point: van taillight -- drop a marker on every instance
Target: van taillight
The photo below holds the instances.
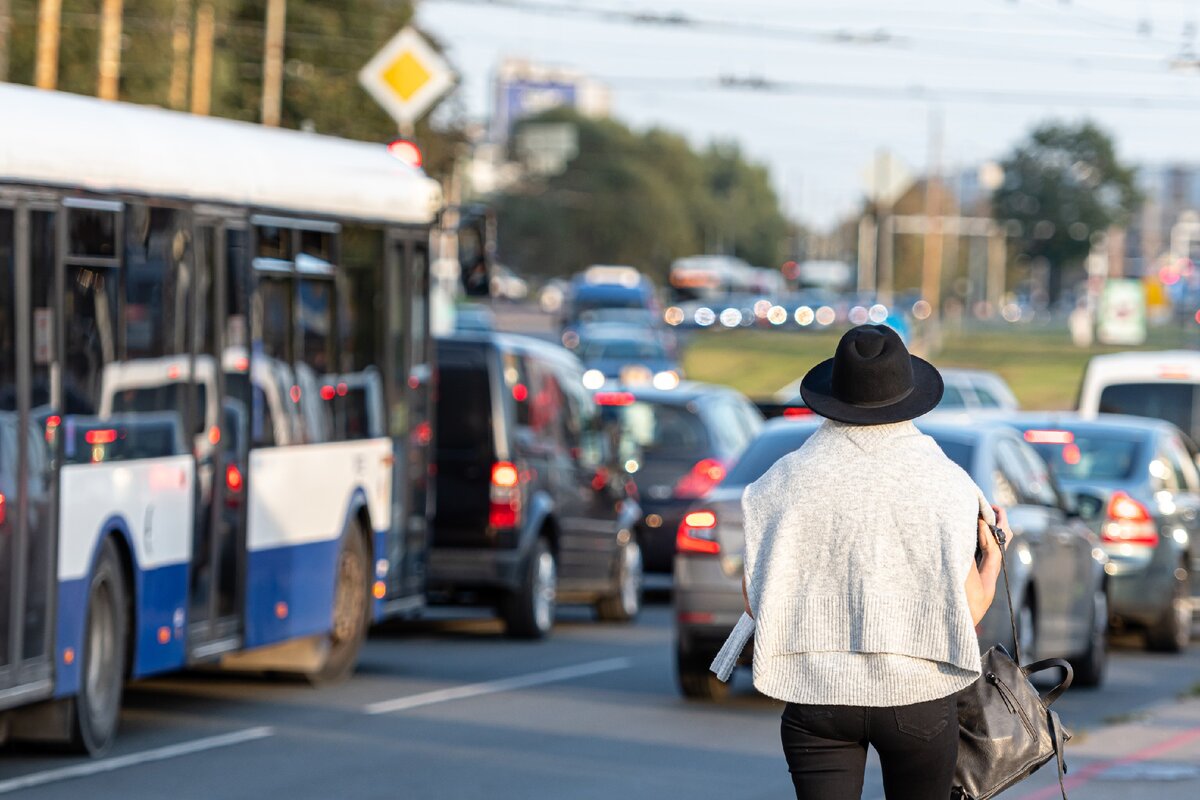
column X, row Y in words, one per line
column 1128, row 522
column 700, row 480
column 504, row 510
column 697, row 534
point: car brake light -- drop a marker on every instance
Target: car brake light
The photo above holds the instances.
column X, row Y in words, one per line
column 3, row 508
column 100, row 436
column 614, row 398
column 504, row 510
column 1049, row 437
column 798, row 411
column 233, row 478
column 1129, row 522
column 700, row 480
column 696, row 534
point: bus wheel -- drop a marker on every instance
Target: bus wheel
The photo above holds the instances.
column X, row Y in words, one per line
column 351, row 611
column 102, row 679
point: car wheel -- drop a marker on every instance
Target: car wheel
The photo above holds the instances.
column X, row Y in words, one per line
column 351, row 611
column 528, row 612
column 1173, row 633
column 102, row 678
column 696, row 681
column 1090, row 666
column 626, row 601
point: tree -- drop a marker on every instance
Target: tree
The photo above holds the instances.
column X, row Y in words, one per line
column 1063, row 185
column 642, row 199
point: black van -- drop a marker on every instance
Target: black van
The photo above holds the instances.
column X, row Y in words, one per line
column 531, row 507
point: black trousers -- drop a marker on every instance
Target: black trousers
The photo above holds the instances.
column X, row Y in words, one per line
column 826, row 749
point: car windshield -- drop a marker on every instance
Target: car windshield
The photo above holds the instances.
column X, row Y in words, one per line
column 1075, row 456
column 630, row 349
column 762, row 453
column 164, row 397
column 660, row 429
column 1174, row 402
column 607, row 300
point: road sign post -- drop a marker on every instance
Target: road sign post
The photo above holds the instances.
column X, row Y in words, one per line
column 407, row 78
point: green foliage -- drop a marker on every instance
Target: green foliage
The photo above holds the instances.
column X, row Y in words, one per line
column 326, row 44
column 1063, row 185
column 643, row 199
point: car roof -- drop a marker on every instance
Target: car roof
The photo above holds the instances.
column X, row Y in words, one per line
column 512, row 342
column 685, row 392
column 1067, row 419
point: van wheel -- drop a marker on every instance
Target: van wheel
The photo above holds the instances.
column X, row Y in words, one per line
column 528, row 613
column 1173, row 633
column 351, row 611
column 1091, row 664
column 696, row 681
column 102, row 672
column 626, row 601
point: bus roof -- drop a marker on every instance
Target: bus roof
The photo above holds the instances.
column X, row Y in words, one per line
column 74, row 142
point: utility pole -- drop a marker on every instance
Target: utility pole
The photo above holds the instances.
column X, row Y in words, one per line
column 5, row 32
column 108, row 85
column 272, row 96
column 931, row 271
column 48, row 30
column 203, row 67
column 181, row 42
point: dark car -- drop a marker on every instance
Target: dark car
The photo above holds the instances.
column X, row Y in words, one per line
column 1054, row 564
column 682, row 442
column 531, row 507
column 1135, row 479
column 629, row 356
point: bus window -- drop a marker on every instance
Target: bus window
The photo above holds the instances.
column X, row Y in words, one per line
column 92, row 230
column 358, row 408
column 314, row 364
column 9, row 468
column 272, row 368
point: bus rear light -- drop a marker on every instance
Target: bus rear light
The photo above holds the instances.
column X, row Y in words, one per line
column 697, row 534
column 100, row 436
column 1129, row 522
column 698, row 482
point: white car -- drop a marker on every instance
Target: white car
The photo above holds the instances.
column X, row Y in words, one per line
column 1161, row 384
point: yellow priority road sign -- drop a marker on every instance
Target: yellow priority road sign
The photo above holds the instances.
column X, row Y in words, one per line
column 407, row 77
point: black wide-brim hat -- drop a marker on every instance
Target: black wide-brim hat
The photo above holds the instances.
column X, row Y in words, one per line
column 872, row 379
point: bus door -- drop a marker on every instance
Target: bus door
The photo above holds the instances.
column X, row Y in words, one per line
column 222, row 387
column 27, row 532
column 409, row 296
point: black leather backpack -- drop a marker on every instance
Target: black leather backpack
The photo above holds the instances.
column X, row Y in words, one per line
column 1006, row 728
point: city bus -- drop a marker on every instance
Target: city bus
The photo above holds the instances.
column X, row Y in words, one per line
column 215, row 369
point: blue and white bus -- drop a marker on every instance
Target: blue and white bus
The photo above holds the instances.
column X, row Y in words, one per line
column 214, row 402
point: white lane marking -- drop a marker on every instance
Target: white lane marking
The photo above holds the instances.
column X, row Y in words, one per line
column 501, row 685
column 145, row 757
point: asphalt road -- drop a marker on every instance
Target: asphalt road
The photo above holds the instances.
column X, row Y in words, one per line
column 447, row 709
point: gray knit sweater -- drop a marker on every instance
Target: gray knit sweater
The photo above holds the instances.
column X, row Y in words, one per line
column 858, row 546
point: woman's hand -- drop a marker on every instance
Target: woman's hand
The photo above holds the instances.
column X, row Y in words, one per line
column 981, row 580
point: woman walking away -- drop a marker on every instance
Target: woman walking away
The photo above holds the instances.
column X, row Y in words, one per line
column 861, row 582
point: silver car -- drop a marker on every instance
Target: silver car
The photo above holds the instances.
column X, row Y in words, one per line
column 1055, row 564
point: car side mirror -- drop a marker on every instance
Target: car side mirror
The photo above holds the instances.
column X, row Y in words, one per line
column 1087, row 506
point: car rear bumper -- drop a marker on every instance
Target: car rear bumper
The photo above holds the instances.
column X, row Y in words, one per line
column 464, row 569
column 1141, row 596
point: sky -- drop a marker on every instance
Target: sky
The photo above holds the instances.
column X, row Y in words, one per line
column 857, row 76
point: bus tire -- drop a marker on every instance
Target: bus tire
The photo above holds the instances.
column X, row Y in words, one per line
column 528, row 612
column 105, row 645
column 351, row 611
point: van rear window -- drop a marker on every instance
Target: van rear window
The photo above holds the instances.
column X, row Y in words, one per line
column 464, row 415
column 1173, row 402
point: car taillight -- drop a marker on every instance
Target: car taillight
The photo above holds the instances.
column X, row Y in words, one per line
column 233, row 478
column 3, row 508
column 700, row 480
column 504, row 510
column 1129, row 522
column 697, row 534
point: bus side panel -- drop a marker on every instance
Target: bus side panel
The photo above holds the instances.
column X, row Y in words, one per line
column 298, row 502
column 149, row 504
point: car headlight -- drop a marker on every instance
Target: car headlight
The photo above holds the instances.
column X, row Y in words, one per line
column 593, row 379
column 668, row 379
